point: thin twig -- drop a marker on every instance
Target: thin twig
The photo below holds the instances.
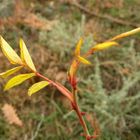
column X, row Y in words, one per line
column 78, row 112
column 38, row 128
column 103, row 16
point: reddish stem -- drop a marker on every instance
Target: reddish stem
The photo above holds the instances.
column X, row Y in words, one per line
column 79, row 114
column 73, row 99
column 60, row 87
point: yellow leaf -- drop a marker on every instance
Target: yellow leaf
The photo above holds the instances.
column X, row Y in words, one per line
column 9, row 52
column 134, row 31
column 21, row 50
column 36, row 87
column 18, row 80
column 78, row 47
column 83, row 60
column 26, row 56
column 10, row 72
column 104, row 45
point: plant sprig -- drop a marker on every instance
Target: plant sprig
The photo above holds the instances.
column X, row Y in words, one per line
column 25, row 61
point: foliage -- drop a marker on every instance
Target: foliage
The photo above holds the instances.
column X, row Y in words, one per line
column 25, row 61
column 33, row 21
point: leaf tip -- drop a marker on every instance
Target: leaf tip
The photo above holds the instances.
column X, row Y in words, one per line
column 78, row 46
column 29, row 94
column 5, row 88
column 25, row 56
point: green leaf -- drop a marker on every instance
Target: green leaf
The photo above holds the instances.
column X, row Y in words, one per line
column 9, row 52
column 25, row 56
column 10, row 72
column 18, row 80
column 37, row 86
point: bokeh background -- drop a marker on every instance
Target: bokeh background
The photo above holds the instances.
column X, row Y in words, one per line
column 109, row 89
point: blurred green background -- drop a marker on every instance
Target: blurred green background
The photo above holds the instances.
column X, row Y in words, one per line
column 109, row 89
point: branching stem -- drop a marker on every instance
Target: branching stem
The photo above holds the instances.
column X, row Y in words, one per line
column 74, row 103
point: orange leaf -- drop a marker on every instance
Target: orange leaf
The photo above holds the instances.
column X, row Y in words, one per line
column 73, row 68
column 78, row 47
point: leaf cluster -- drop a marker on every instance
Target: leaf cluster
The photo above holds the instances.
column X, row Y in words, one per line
column 24, row 61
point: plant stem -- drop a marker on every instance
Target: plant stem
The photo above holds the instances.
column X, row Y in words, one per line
column 60, row 87
column 73, row 100
column 78, row 112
